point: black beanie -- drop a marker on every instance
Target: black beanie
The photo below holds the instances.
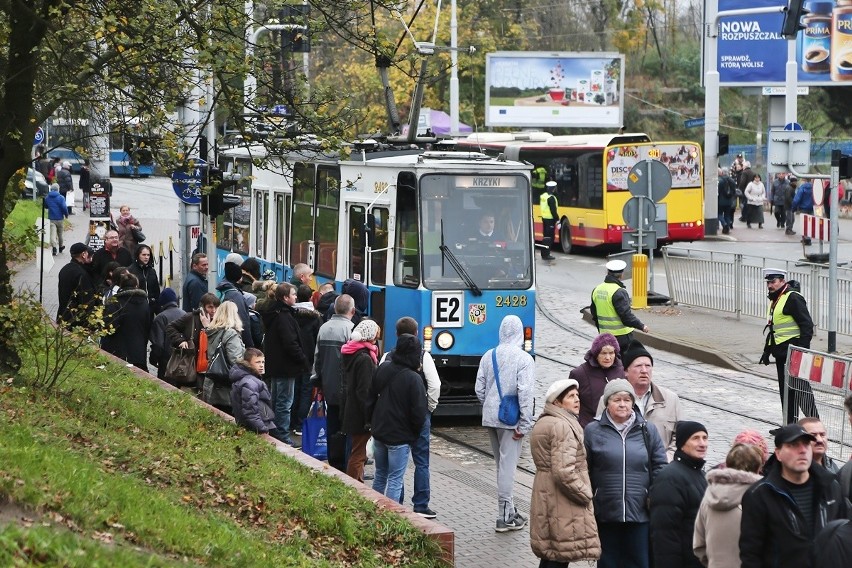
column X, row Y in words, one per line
column 634, row 351
column 233, row 272
column 684, row 431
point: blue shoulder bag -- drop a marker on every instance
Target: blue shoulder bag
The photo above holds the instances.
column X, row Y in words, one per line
column 509, row 412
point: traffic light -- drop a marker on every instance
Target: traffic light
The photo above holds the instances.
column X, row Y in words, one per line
column 216, row 202
column 793, row 19
column 843, row 164
column 298, row 38
column 723, row 144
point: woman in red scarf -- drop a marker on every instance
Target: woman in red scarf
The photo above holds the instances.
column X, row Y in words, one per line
column 360, row 357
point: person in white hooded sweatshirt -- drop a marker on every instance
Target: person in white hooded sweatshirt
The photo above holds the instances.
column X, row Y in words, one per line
column 517, row 377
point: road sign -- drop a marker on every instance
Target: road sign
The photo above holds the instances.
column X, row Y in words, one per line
column 187, row 182
column 630, row 240
column 639, row 213
column 693, row 122
column 787, row 148
column 659, row 176
column 793, row 126
column 39, row 136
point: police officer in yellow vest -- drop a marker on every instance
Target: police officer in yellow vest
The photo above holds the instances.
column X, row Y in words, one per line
column 549, row 215
column 611, row 306
column 788, row 323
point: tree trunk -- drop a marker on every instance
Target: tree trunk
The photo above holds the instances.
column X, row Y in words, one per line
column 26, row 32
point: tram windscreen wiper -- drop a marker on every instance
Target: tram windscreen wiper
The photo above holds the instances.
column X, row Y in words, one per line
column 454, row 262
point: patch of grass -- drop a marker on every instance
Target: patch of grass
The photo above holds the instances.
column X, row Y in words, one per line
column 20, row 231
column 113, row 454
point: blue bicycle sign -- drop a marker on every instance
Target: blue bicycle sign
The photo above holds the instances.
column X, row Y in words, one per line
column 187, row 181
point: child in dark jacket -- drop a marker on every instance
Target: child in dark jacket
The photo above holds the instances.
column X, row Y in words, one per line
column 251, row 401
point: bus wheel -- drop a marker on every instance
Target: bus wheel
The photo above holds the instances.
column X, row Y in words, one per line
column 565, row 237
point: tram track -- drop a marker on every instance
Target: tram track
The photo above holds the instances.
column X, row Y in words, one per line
column 660, row 359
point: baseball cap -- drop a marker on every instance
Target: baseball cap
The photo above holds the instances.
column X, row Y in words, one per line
column 790, row 433
column 79, row 248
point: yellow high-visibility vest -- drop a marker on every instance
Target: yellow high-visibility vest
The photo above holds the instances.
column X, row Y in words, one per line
column 608, row 319
column 784, row 327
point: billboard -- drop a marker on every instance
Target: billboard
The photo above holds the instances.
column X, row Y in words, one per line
column 752, row 51
column 525, row 88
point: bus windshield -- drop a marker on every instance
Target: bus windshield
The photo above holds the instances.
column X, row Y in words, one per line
column 484, row 222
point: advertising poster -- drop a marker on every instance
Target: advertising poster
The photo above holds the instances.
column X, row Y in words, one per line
column 752, row 51
column 683, row 159
column 525, row 89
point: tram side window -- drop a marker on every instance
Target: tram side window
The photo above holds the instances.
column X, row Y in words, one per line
column 328, row 217
column 591, row 176
column 379, row 260
column 282, row 230
column 356, row 242
column 232, row 227
column 406, row 244
column 302, row 218
column 261, row 213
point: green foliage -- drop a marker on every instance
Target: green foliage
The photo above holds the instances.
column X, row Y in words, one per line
column 20, row 234
column 53, row 353
column 153, row 470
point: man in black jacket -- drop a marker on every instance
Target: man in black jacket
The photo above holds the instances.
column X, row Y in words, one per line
column 285, row 358
column 76, row 290
column 675, row 498
column 397, row 413
column 783, row 513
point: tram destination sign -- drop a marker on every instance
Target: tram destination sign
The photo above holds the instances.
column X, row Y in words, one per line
column 476, row 182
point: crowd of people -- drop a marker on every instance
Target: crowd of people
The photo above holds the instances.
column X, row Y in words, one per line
column 281, row 346
column 629, row 485
column 620, row 477
column 741, row 187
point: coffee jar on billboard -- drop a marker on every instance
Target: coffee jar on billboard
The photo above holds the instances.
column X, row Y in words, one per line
column 816, row 37
column 841, row 41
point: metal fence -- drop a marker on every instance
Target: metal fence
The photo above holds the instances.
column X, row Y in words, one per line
column 733, row 282
column 817, row 384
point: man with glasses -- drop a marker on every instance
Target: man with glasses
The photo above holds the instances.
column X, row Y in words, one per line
column 112, row 251
column 788, row 323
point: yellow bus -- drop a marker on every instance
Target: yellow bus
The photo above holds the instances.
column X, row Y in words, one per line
column 591, row 176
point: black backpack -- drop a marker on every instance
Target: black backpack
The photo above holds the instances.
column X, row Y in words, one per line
column 728, row 188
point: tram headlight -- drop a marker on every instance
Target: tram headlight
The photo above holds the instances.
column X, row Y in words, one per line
column 445, row 340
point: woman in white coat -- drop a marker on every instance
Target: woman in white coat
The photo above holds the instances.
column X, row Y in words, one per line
column 755, row 193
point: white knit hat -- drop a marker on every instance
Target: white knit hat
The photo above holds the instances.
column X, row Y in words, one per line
column 366, row 330
column 558, row 388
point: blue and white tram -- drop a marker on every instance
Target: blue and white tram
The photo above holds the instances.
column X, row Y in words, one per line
column 443, row 237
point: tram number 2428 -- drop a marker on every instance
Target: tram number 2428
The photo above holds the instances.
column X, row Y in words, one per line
column 447, row 307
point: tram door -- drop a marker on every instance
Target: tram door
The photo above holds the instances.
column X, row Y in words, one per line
column 369, row 228
column 314, row 222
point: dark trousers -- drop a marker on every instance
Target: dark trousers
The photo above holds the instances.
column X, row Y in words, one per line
column 548, row 227
column 624, row 341
column 301, row 401
column 799, row 392
column 337, row 451
column 780, row 216
column 624, row 545
column 552, row 564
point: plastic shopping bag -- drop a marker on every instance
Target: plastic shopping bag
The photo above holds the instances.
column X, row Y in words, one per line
column 314, row 430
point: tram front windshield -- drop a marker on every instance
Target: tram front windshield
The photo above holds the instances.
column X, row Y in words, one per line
column 483, row 223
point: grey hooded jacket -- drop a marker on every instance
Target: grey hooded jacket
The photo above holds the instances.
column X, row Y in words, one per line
column 517, row 376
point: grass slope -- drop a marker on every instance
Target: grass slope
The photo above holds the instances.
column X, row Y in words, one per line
column 117, row 471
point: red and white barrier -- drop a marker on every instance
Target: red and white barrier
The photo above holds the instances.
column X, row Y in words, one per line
column 820, row 368
column 816, row 227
